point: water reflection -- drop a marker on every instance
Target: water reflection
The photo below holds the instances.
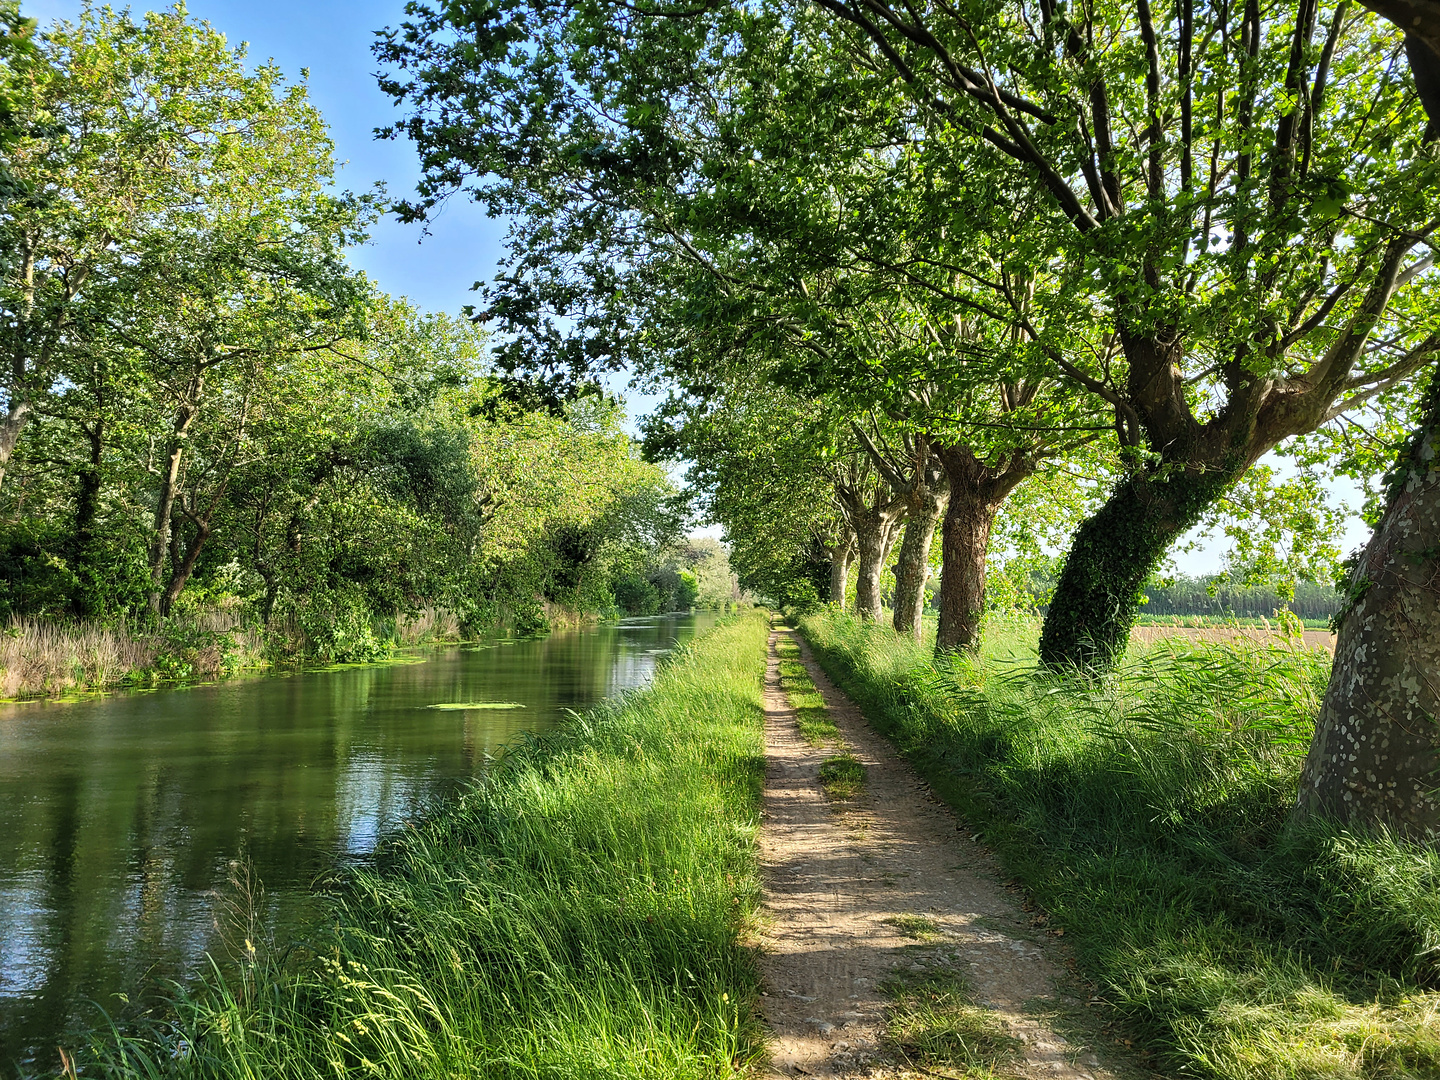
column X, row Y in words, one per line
column 121, row 816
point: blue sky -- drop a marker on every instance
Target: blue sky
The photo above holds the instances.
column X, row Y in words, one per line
column 333, row 40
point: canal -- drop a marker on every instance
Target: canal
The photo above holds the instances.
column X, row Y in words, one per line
column 126, row 821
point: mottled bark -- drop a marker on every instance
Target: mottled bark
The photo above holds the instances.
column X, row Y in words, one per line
column 977, row 491
column 912, row 565
column 10, row 428
column 1376, row 749
column 875, row 533
column 1113, row 552
column 912, row 471
column 965, row 544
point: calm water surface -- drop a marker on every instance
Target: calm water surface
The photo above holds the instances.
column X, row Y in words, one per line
column 122, row 818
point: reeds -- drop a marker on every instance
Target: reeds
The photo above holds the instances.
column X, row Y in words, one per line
column 578, row 913
column 426, row 626
column 39, row 657
column 1148, row 814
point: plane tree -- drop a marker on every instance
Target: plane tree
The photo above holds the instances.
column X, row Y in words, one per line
column 667, row 173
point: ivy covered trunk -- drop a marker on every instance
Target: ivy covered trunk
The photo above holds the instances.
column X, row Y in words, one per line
column 1113, row 552
column 875, row 536
column 977, row 491
column 1376, row 748
column 912, row 565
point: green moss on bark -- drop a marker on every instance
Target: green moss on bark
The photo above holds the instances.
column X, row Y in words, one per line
column 1114, row 551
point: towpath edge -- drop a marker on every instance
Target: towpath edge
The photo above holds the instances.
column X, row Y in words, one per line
column 842, row 883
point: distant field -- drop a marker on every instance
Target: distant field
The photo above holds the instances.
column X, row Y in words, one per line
column 1151, row 632
column 1222, row 620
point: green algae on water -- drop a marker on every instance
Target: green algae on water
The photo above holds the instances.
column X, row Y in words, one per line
column 458, row 705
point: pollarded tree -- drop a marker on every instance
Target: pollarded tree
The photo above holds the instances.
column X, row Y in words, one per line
column 1373, row 758
column 1246, row 190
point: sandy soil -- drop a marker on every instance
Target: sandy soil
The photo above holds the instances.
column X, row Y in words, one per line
column 1313, row 639
column 834, row 873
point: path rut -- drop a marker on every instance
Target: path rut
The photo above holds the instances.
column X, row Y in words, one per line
column 833, row 877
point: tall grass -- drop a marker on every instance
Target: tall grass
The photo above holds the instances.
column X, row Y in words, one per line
column 577, row 914
column 48, row 656
column 39, row 656
column 1149, row 814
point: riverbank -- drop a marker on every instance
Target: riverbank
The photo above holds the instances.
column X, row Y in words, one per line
column 42, row 658
column 45, row 658
column 1147, row 820
column 578, row 913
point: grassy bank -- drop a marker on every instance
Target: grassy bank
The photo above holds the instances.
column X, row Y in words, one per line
column 1148, row 818
column 576, row 914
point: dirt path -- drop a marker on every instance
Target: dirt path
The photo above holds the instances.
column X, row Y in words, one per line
column 833, row 877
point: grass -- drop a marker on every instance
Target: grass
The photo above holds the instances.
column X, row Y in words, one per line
column 1148, row 814
column 44, row 657
column 579, row 913
column 934, row 1022
column 811, row 716
column 842, row 777
column 916, row 927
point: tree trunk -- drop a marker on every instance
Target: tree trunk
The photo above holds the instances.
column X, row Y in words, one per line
column 977, row 491
column 875, row 536
column 165, row 505
column 1377, row 746
column 965, row 545
column 912, row 566
column 86, row 599
column 185, row 566
column 840, row 556
column 1113, row 552
column 10, row 428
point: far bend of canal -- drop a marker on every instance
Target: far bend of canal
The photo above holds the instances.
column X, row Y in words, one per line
column 123, row 818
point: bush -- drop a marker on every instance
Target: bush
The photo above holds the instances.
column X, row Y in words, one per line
column 338, row 626
column 636, row 594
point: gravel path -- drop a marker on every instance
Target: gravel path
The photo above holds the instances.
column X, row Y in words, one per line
column 835, row 873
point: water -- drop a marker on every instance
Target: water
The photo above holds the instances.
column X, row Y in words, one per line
column 122, row 818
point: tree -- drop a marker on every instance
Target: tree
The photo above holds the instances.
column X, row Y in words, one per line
column 764, row 466
column 682, row 236
column 1233, row 336
column 1374, row 755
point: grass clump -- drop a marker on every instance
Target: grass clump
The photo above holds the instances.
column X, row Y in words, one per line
column 933, row 1021
column 1149, row 814
column 842, row 777
column 918, row 927
column 577, row 913
column 811, row 716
